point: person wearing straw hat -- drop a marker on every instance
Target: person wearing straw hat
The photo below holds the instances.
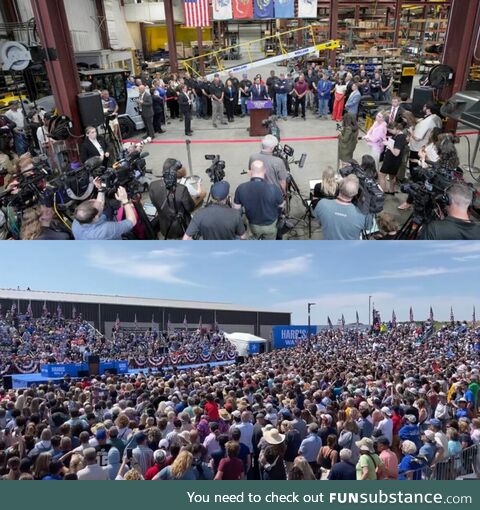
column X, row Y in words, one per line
column 272, row 455
column 369, row 465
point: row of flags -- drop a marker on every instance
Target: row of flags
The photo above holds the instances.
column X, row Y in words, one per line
column 197, row 12
column 376, row 319
column 169, row 324
column 45, row 311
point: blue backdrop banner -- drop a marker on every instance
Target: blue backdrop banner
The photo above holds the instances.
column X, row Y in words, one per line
column 263, row 9
column 289, row 336
column 284, row 8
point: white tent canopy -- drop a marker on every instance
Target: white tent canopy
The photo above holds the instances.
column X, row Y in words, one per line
column 242, row 342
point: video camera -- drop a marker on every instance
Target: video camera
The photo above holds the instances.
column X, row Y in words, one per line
column 429, row 193
column 286, row 153
column 126, row 173
column 30, row 188
column 216, row 172
column 272, row 126
column 370, row 198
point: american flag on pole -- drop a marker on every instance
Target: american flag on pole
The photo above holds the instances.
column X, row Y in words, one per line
column 169, row 325
column 330, row 325
column 200, row 325
column 343, row 322
column 44, row 309
column 474, row 320
column 411, row 314
column 74, row 313
column 117, row 323
column 59, row 311
column 13, row 309
column 185, row 322
column 29, row 309
column 452, row 317
column 394, row 319
column 431, row 314
column 0, row 310
column 197, row 13
column 358, row 321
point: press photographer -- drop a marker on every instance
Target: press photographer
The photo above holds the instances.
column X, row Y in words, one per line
column 457, row 225
column 173, row 201
column 275, row 169
column 91, row 223
column 217, row 221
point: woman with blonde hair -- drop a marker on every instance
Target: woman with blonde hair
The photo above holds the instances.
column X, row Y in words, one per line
column 301, row 463
column 38, row 224
column 42, row 465
column 327, row 188
column 375, row 137
column 181, row 469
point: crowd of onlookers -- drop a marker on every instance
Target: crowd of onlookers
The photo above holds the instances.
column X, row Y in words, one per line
column 395, row 403
column 31, row 342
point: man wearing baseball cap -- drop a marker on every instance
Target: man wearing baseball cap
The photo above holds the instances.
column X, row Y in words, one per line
column 217, row 222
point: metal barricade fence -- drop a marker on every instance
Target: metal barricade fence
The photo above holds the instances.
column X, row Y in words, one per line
column 466, row 464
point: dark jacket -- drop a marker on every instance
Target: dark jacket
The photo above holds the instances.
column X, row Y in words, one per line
column 147, row 107
column 259, row 96
column 184, row 103
column 88, row 150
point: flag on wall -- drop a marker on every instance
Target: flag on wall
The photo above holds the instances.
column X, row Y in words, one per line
column 284, row 9
column 222, row 9
column 197, row 13
column 263, row 9
column 307, row 8
column 242, row 9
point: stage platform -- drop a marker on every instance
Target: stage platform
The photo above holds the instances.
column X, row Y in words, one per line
column 20, row 381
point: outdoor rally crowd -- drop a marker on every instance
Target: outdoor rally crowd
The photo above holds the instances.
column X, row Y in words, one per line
column 26, row 343
column 399, row 402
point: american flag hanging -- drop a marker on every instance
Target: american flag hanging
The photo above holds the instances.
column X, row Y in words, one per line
column 59, row 311
column 29, row 309
column 117, row 323
column 74, row 313
column 411, row 314
column 200, row 325
column 197, row 13
column 431, row 314
column 44, row 309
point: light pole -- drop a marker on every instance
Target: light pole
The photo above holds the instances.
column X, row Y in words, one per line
column 309, row 308
column 369, row 309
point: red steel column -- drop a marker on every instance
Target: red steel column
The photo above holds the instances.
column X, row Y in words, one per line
column 52, row 27
column 333, row 32
column 172, row 41
column 102, row 24
column 460, row 42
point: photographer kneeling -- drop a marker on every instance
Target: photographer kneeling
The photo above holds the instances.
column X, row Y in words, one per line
column 91, row 224
column 341, row 219
column 217, row 222
column 457, row 225
column 173, row 201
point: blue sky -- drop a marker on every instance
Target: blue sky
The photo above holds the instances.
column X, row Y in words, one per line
column 339, row 277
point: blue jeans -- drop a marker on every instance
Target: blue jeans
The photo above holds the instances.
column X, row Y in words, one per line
column 243, row 102
column 21, row 144
column 323, row 105
column 201, row 106
column 281, row 105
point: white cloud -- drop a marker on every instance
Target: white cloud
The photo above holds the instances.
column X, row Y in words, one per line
column 225, row 253
column 133, row 267
column 399, row 274
column 466, row 258
column 167, row 252
column 294, row 265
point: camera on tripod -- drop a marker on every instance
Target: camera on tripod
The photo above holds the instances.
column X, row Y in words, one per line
column 272, row 126
column 428, row 194
column 216, row 172
column 370, row 198
column 286, row 153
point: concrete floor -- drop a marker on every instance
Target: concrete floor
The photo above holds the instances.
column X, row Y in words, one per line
column 234, row 145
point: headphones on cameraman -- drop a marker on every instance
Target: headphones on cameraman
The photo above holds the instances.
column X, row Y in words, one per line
column 170, row 174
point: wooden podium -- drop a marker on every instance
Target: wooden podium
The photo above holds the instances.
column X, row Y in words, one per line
column 259, row 111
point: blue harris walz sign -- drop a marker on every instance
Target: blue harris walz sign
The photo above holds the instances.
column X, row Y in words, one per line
column 289, row 336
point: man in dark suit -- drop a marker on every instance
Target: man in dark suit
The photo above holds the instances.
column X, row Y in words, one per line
column 145, row 102
column 396, row 111
column 259, row 92
column 186, row 109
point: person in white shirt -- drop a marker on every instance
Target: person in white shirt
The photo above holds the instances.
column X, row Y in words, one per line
column 92, row 471
column 15, row 114
column 419, row 136
column 385, row 425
